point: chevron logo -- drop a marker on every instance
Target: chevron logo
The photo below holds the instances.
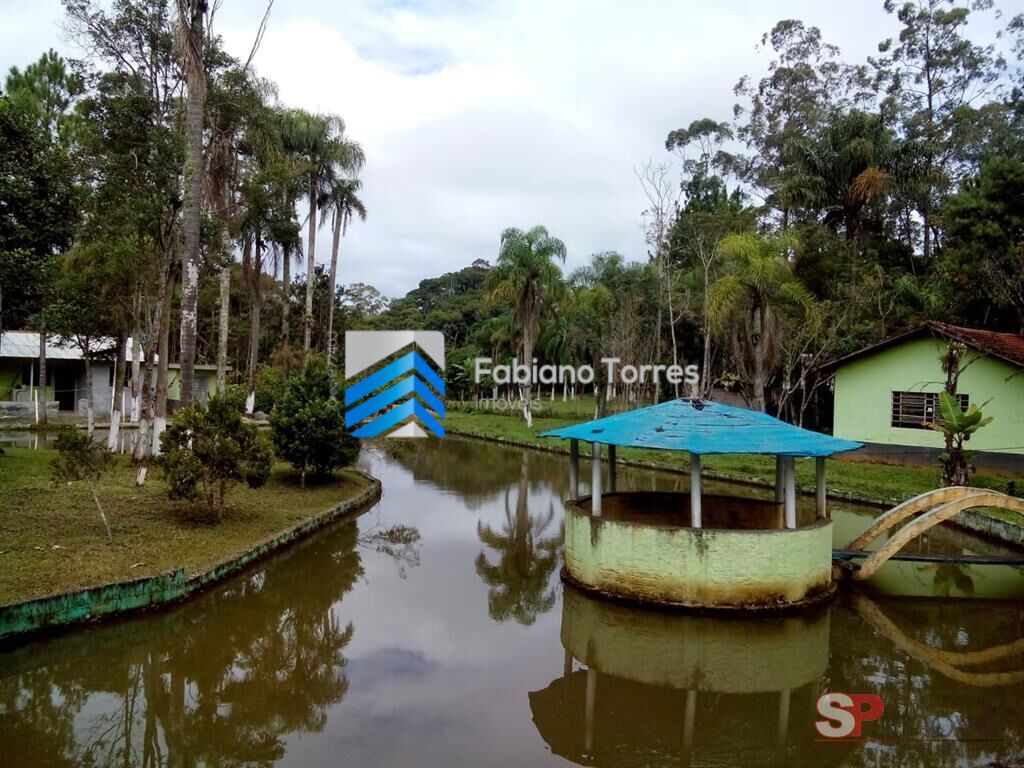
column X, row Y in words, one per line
column 391, row 385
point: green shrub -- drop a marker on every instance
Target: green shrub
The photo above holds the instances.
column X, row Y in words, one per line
column 309, row 424
column 79, row 457
column 205, row 451
column 271, row 385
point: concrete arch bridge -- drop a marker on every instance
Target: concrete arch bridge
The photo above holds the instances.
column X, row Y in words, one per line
column 918, row 515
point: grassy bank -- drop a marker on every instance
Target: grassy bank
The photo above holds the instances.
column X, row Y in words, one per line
column 51, row 539
column 879, row 483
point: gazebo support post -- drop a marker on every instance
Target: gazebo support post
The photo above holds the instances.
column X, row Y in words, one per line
column 790, row 500
column 819, row 487
column 595, row 479
column 574, row 469
column 780, row 479
column 695, row 514
column 611, row 469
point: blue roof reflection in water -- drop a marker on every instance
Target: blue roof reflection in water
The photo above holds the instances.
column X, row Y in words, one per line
column 703, row 427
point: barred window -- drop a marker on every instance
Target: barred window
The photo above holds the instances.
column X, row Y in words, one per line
column 917, row 410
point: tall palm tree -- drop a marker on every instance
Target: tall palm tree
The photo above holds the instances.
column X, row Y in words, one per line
column 268, row 227
column 576, row 332
column 243, row 142
column 342, row 201
column 758, row 288
column 289, row 249
column 856, row 160
column 527, row 277
column 191, row 13
column 321, row 142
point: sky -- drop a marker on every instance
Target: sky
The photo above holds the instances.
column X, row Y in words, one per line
column 475, row 117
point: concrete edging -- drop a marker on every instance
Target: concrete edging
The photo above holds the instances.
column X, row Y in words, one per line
column 171, row 586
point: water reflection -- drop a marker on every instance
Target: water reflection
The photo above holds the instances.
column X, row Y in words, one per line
column 527, row 548
column 218, row 682
column 664, row 689
column 475, row 470
column 383, row 643
column 670, row 689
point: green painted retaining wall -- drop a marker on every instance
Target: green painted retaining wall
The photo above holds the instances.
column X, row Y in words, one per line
column 123, row 597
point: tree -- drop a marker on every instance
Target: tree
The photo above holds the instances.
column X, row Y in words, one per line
column 205, row 451
column 342, row 201
column 933, row 75
column 957, row 425
column 527, row 277
column 662, row 208
column 320, row 141
column 984, row 254
column 268, row 227
column 38, row 185
column 850, row 164
column 805, row 82
column 135, row 195
column 709, row 214
column 360, row 301
column 755, row 293
column 80, row 458
column 243, row 140
column 191, row 42
column 79, row 315
column 309, row 424
column 47, row 90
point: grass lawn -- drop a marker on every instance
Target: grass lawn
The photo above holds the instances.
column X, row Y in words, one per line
column 52, row 540
column 882, row 483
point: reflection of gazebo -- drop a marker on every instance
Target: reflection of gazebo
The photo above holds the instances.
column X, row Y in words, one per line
column 660, row 687
column 694, row 549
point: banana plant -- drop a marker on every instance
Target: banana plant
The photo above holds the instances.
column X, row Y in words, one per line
column 957, row 425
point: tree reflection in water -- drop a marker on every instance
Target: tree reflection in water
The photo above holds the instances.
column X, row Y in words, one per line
column 221, row 680
column 520, row 582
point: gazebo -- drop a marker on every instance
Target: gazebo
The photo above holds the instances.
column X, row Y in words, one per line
column 694, row 549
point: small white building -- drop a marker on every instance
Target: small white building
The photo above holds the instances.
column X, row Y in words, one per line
column 66, row 384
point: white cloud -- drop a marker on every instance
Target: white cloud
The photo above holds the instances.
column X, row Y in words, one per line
column 475, row 117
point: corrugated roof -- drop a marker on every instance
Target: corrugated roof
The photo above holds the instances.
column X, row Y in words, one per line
column 703, row 427
column 25, row 344
column 1005, row 346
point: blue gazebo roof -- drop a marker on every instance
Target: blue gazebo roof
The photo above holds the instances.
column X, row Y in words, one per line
column 703, row 427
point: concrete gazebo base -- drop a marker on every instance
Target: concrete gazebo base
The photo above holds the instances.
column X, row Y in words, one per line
column 742, row 559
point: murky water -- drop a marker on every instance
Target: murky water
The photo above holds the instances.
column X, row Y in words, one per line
column 464, row 649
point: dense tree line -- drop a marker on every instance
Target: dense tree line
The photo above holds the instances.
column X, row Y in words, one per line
column 156, row 191
column 843, row 202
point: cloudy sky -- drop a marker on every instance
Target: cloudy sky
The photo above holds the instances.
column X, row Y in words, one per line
column 479, row 116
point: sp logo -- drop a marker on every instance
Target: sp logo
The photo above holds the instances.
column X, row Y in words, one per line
column 844, row 713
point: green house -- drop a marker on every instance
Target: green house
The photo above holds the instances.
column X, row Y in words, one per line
column 886, row 395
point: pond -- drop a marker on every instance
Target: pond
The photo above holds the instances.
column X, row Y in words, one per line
column 463, row 648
